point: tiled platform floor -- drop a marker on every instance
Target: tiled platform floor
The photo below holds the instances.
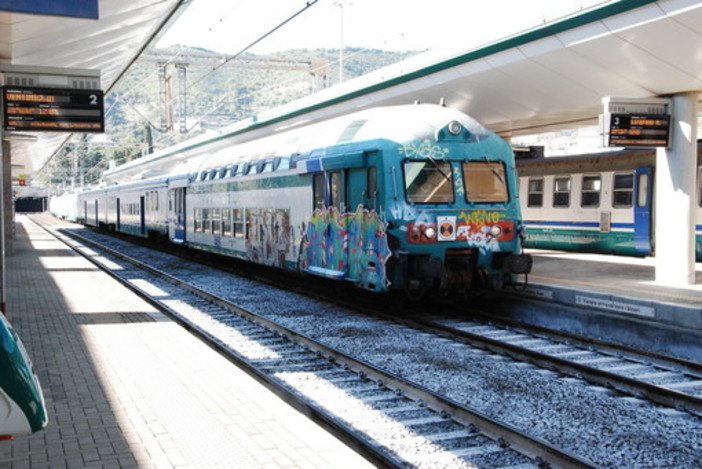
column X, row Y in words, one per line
column 126, row 387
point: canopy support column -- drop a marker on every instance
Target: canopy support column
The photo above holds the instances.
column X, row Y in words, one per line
column 676, row 169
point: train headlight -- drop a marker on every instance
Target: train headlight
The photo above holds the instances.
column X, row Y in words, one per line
column 496, row 231
column 455, row 128
column 429, row 232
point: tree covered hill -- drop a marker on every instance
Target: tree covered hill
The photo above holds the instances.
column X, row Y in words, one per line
column 152, row 107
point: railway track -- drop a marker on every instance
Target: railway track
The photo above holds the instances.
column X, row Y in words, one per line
column 664, row 380
column 388, row 419
column 505, row 346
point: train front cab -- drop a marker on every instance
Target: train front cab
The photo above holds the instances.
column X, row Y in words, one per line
column 416, row 223
column 461, row 228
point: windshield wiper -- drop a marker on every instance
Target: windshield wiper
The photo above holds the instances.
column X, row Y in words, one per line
column 494, row 171
column 436, row 165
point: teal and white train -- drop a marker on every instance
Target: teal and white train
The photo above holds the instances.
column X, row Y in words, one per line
column 416, row 198
column 22, row 407
column 600, row 203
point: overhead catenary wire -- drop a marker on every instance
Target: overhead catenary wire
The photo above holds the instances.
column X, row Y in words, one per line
column 307, row 6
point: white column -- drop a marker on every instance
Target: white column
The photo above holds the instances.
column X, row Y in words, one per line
column 675, row 197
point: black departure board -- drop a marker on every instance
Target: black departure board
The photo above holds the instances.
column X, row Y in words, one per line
column 639, row 130
column 52, row 109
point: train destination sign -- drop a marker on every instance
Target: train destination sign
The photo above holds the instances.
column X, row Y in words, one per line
column 52, row 109
column 639, row 130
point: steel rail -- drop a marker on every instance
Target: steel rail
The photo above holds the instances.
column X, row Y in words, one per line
column 506, row 435
column 681, row 364
column 655, row 393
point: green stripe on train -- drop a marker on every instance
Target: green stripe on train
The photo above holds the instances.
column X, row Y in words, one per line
column 582, row 241
column 591, row 241
column 283, row 182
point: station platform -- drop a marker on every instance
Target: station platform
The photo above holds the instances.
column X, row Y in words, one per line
column 627, row 278
column 615, row 298
column 126, row 387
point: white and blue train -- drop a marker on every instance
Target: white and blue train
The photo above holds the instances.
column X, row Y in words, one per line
column 600, row 203
column 416, row 198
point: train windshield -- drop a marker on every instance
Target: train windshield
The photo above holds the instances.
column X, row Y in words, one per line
column 428, row 182
column 485, row 182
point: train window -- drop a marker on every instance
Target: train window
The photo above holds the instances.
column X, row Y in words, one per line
column 535, row 196
column 561, row 192
column 428, row 182
column 282, row 163
column 216, row 215
column 590, row 196
column 252, row 226
column 623, row 191
column 485, row 181
column 226, row 222
column 238, row 223
column 318, row 188
column 282, row 223
column 336, row 190
column 206, row 220
column 699, row 186
column 198, row 219
column 267, row 224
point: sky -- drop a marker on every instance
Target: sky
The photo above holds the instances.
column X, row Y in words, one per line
column 230, row 26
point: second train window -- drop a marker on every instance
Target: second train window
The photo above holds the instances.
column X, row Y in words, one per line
column 590, row 196
column 561, row 192
column 623, row 190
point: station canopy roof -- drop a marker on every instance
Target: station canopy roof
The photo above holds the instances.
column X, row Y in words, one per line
column 553, row 76
column 108, row 44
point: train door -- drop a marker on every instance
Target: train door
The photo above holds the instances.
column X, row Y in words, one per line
column 97, row 213
column 142, row 215
column 362, row 188
column 326, row 235
column 643, row 210
column 337, row 254
column 119, row 216
column 176, row 227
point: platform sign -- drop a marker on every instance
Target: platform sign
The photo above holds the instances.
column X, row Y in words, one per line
column 639, row 130
column 52, row 109
column 637, row 122
column 76, row 8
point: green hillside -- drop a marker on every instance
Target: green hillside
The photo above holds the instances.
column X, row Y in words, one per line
column 218, row 91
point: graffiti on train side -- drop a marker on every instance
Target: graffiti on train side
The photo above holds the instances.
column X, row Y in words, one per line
column 425, row 149
column 351, row 245
column 481, row 217
column 269, row 236
column 482, row 240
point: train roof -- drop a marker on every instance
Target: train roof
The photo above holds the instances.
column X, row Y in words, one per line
column 616, row 160
column 392, row 123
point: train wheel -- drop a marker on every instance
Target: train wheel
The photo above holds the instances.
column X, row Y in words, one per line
column 415, row 294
